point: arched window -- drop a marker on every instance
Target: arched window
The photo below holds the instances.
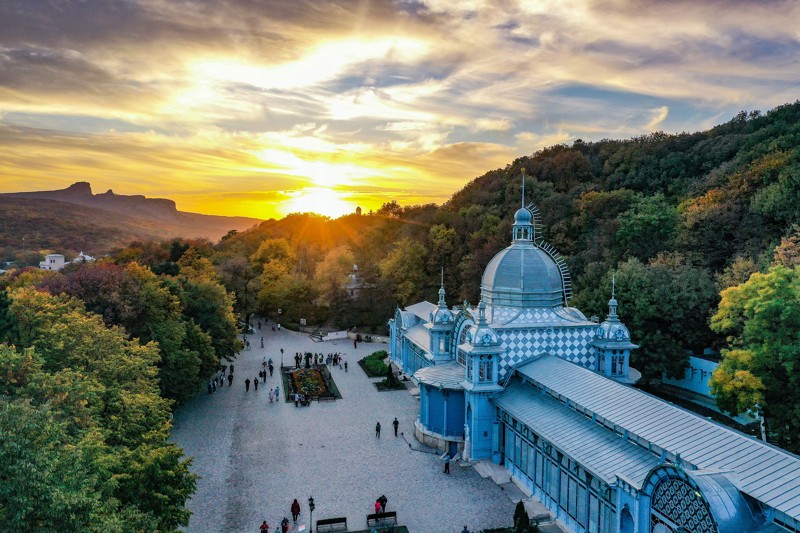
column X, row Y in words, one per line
column 675, row 504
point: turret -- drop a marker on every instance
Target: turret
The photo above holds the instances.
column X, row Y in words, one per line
column 613, row 343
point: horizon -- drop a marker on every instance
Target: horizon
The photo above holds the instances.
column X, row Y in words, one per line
column 267, row 110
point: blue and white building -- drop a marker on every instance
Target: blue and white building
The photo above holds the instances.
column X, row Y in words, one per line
column 526, row 381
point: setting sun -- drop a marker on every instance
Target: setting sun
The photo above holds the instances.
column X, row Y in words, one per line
column 323, row 201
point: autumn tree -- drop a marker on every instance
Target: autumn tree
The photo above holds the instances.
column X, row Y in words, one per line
column 761, row 318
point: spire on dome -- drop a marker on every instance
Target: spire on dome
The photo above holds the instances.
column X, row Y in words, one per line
column 522, row 230
column 612, row 303
column 442, row 302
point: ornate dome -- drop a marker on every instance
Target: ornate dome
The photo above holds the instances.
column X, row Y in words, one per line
column 523, row 275
column 483, row 335
column 613, row 331
column 523, row 216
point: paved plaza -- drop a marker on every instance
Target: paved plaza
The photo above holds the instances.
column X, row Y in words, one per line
column 255, row 457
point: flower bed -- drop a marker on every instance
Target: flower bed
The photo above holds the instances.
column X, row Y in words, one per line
column 374, row 365
column 312, row 382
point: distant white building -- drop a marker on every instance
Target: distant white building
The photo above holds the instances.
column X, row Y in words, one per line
column 52, row 262
column 57, row 261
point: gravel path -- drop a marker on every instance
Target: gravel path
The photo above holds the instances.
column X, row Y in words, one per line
column 255, row 457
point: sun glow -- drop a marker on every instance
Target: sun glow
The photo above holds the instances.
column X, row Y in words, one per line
column 319, row 200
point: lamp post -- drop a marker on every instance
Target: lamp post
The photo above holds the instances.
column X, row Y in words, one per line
column 311, row 507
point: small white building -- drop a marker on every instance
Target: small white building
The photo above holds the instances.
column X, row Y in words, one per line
column 82, row 258
column 52, row 262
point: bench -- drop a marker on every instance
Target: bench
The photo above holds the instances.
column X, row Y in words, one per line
column 379, row 519
column 332, row 524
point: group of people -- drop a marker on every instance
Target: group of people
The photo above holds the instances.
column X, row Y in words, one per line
column 219, row 380
column 332, row 359
column 380, row 504
column 295, row 509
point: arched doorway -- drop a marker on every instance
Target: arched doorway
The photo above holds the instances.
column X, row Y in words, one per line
column 626, row 521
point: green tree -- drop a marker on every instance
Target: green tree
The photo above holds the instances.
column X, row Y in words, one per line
column 665, row 304
column 648, row 227
column 762, row 320
column 404, row 267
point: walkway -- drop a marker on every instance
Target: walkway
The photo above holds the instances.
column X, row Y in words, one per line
column 255, row 457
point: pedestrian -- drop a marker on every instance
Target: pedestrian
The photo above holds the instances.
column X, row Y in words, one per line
column 247, row 344
column 377, row 507
column 231, row 368
column 279, row 327
column 264, row 527
column 378, row 429
column 285, row 525
column 262, row 342
column 247, row 384
column 447, row 464
column 259, row 324
column 395, row 424
column 295, row 509
column 465, row 530
column 383, row 500
column 277, row 393
column 214, row 386
column 296, row 399
column 255, row 383
column 271, row 368
column 345, row 366
column 209, row 387
column 230, row 380
column 355, row 343
column 271, row 395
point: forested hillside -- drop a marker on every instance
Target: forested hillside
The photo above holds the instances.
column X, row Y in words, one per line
column 700, row 229
column 678, row 218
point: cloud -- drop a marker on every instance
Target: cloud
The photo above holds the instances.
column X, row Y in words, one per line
column 229, row 101
column 659, row 115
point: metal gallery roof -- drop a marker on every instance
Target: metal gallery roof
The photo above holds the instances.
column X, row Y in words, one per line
column 765, row 472
column 420, row 336
column 422, row 310
column 601, row 452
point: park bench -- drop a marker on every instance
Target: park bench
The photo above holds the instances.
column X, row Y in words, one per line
column 332, row 524
column 379, row 519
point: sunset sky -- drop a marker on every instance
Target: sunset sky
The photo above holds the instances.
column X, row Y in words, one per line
column 260, row 108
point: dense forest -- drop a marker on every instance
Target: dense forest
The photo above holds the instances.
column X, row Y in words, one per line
column 678, row 218
column 699, row 229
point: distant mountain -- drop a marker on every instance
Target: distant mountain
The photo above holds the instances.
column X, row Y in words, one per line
column 97, row 222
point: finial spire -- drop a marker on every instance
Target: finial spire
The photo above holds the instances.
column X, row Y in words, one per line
column 612, row 303
column 613, row 283
column 442, row 302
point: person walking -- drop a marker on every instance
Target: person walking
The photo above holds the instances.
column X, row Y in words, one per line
column 396, row 424
column 378, row 429
column 296, row 399
column 285, row 525
column 295, row 509
column 210, row 390
column 230, row 380
column 465, row 530
column 255, row 384
column 377, row 506
column 345, row 366
column 383, row 500
column 247, row 385
column 447, row 464
column 277, row 393
column 271, row 368
column 271, row 395
column 262, row 342
column 264, row 527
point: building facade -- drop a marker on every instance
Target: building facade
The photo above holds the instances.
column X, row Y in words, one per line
column 526, row 381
